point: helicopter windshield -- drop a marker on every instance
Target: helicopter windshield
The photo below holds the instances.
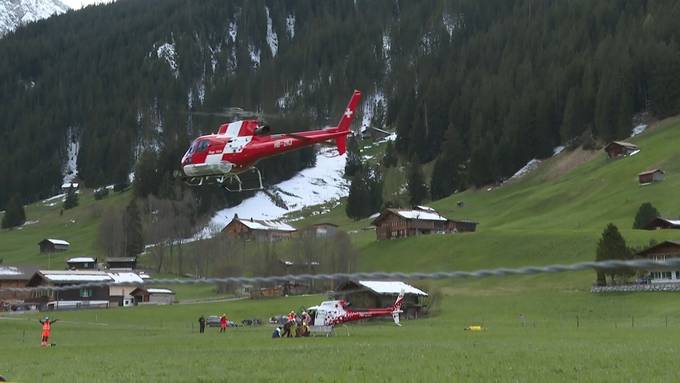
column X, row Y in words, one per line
column 197, row 147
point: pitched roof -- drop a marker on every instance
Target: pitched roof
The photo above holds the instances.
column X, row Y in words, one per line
column 624, row 144
column 121, row 259
column 126, row 277
column 80, row 260
column 651, row 172
column 74, row 276
column 259, row 224
column 647, row 250
column 417, row 214
column 672, row 222
column 15, row 273
column 391, row 287
column 56, row 241
column 159, row 291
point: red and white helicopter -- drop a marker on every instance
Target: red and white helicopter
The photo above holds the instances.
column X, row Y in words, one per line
column 238, row 146
column 332, row 313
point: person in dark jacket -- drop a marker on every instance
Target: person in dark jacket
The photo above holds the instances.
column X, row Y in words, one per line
column 201, row 324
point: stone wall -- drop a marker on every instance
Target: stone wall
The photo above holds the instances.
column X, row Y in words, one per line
column 670, row 287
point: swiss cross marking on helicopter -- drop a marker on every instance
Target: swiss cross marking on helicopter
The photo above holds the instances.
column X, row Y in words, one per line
column 348, row 113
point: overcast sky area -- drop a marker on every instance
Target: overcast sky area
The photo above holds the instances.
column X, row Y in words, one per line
column 77, row 4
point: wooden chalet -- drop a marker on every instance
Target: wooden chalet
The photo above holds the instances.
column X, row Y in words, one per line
column 156, row 296
column 82, row 263
column 121, row 263
column 399, row 223
column 14, row 277
column 50, row 245
column 370, row 294
column 259, row 230
column 75, row 297
column 650, row 176
column 616, row 149
column 660, row 252
column 659, row 223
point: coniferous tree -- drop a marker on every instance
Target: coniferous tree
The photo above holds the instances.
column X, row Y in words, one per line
column 71, row 199
column 611, row 246
column 417, row 189
column 359, row 199
column 390, row 158
column 353, row 163
column 645, row 214
column 14, row 214
column 133, row 230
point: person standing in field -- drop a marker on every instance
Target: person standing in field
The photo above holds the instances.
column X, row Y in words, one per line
column 46, row 330
column 201, row 324
column 223, row 323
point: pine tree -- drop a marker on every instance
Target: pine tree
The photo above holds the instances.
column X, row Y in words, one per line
column 353, row 163
column 71, row 199
column 358, row 201
column 417, row 189
column 133, row 230
column 14, row 214
column 390, row 159
column 611, row 246
column 645, row 214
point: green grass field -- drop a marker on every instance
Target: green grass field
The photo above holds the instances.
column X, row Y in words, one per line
column 554, row 215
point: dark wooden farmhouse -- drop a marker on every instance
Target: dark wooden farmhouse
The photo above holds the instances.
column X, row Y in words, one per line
column 660, row 252
column 14, row 277
column 76, row 297
column 370, row 294
column 618, row 149
column 82, row 263
column 659, row 223
column 50, row 245
column 654, row 175
column 399, row 223
column 259, row 230
column 121, row 263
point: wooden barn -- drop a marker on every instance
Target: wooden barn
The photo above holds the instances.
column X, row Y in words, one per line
column 14, row 277
column 654, row 175
column 259, row 230
column 618, row 149
column 370, row 294
column 153, row 296
column 121, row 263
column 660, row 252
column 399, row 223
column 659, row 223
column 50, row 245
column 77, row 297
column 321, row 230
column 82, row 263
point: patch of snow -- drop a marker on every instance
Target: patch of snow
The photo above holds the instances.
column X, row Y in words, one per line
column 370, row 105
column 58, row 196
column 14, row 13
column 30, row 223
column 231, row 61
column 312, row 186
column 290, row 25
column 558, row 149
column 232, row 31
column 638, row 130
column 254, row 55
column 167, row 52
column 634, row 153
column 77, row 4
column 213, row 56
column 386, row 49
column 272, row 38
column 529, row 167
column 70, row 170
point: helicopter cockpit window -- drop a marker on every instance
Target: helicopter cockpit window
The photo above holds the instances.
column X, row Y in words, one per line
column 202, row 146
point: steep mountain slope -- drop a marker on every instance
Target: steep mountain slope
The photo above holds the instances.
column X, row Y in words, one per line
column 19, row 12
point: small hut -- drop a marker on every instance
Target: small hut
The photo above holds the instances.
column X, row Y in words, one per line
column 82, row 263
column 616, row 149
column 50, row 245
column 153, row 296
column 654, row 175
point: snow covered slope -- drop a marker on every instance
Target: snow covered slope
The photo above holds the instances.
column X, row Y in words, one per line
column 317, row 185
column 18, row 12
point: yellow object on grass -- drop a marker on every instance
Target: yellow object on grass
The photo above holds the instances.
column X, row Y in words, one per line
column 474, row 328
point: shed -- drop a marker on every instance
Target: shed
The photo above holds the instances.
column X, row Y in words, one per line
column 76, row 297
column 659, row 223
column 121, row 263
column 649, row 176
column 423, row 220
column 157, row 296
column 322, row 230
column 660, row 252
column 50, row 245
column 82, row 263
column 14, row 277
column 371, row 294
column 616, row 149
column 260, row 230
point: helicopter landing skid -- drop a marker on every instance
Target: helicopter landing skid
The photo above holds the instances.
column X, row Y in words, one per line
column 230, row 182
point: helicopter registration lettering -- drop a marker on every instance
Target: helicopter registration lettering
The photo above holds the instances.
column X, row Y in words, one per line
column 283, row 143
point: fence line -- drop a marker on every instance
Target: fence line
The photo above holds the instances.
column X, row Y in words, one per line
column 636, row 264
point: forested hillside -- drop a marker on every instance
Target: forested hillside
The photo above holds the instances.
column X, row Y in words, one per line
column 481, row 86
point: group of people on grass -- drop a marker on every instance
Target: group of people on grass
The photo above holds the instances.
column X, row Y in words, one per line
column 297, row 324
column 224, row 323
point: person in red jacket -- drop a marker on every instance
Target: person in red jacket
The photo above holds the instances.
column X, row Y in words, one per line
column 46, row 329
column 224, row 322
